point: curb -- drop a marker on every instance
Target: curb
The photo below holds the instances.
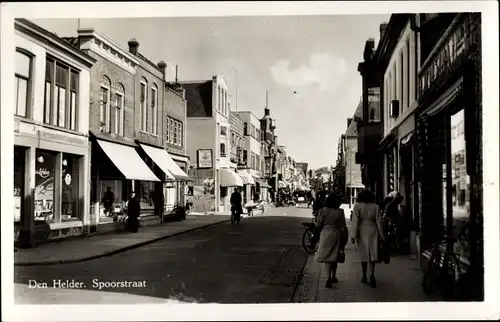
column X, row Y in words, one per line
column 116, row 251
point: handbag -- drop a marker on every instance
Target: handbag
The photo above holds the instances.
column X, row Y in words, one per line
column 341, row 257
column 383, row 252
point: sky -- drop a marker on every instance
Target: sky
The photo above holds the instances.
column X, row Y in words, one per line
column 308, row 65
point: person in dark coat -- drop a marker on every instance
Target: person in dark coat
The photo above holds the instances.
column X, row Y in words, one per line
column 236, row 201
column 134, row 211
column 107, row 201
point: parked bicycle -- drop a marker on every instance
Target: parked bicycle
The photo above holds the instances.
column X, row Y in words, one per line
column 179, row 211
column 310, row 237
column 443, row 269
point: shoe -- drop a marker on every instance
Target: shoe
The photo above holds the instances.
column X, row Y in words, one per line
column 373, row 282
column 328, row 283
column 335, row 280
column 364, row 280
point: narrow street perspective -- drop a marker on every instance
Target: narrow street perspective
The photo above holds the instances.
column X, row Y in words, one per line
column 248, row 159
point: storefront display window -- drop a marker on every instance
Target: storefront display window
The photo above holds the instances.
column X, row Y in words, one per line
column 146, row 194
column 18, row 182
column 69, row 195
column 460, row 185
column 44, row 186
column 116, row 188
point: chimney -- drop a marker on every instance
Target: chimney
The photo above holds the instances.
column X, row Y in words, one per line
column 267, row 112
column 133, row 46
column 383, row 28
column 163, row 66
column 349, row 121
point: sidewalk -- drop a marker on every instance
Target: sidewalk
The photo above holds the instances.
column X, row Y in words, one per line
column 398, row 281
column 86, row 248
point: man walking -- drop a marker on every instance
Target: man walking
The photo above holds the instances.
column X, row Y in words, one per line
column 236, row 201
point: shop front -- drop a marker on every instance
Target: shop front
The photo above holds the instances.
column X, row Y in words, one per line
column 118, row 170
column 173, row 178
column 50, row 189
column 248, row 185
column 450, row 150
column 229, row 180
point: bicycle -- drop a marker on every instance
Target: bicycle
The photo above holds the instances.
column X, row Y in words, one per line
column 310, row 237
column 235, row 215
column 443, row 269
column 125, row 221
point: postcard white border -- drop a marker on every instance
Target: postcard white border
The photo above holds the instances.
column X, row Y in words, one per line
column 355, row 311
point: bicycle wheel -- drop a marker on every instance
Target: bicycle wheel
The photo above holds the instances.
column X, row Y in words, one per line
column 431, row 276
column 307, row 242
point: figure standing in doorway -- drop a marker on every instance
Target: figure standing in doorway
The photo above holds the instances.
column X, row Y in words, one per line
column 133, row 212
column 107, row 201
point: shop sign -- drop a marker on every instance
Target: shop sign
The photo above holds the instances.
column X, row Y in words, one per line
column 205, row 159
column 457, row 41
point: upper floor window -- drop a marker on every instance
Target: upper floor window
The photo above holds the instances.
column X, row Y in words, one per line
column 61, row 94
column 154, row 109
column 222, row 150
column 144, row 105
column 402, row 100
column 232, row 139
column 257, row 135
column 223, row 131
column 245, row 128
column 119, row 110
column 174, row 132
column 23, row 82
column 219, row 99
column 104, row 102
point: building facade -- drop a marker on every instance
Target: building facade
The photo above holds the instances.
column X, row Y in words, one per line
column 208, row 129
column 449, row 136
column 353, row 176
column 250, row 170
column 51, row 144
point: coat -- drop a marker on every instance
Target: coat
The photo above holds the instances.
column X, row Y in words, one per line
column 333, row 223
column 367, row 230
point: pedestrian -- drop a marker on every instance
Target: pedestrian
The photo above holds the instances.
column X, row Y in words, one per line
column 107, row 201
column 333, row 236
column 367, row 231
column 133, row 212
column 236, row 201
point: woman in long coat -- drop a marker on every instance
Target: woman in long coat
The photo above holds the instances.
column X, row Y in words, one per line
column 133, row 212
column 367, row 230
column 331, row 221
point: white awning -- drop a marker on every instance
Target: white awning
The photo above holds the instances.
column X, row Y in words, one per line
column 229, row 178
column 247, row 178
column 162, row 159
column 128, row 161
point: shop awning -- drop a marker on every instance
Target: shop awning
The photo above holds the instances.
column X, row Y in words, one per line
column 229, row 178
column 162, row 159
column 247, row 178
column 128, row 161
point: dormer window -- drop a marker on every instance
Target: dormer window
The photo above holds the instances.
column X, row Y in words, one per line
column 394, row 109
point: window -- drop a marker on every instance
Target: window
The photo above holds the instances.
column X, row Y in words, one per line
column 257, row 135
column 245, row 128
column 23, row 83
column 144, row 105
column 460, row 185
column 176, row 124
column 181, row 134
column 119, row 110
column 61, row 94
column 223, row 131
column 154, row 109
column 44, row 186
column 401, row 81
column 408, row 73
column 225, row 103
column 232, row 139
column 245, row 157
column 222, row 150
column 219, row 98
column 69, row 193
column 167, row 130
column 171, row 128
column 105, row 116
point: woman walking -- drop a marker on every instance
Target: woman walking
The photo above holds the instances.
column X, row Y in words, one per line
column 367, row 230
column 133, row 212
column 333, row 237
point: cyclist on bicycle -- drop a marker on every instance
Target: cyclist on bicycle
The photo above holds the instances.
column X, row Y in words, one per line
column 236, row 201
